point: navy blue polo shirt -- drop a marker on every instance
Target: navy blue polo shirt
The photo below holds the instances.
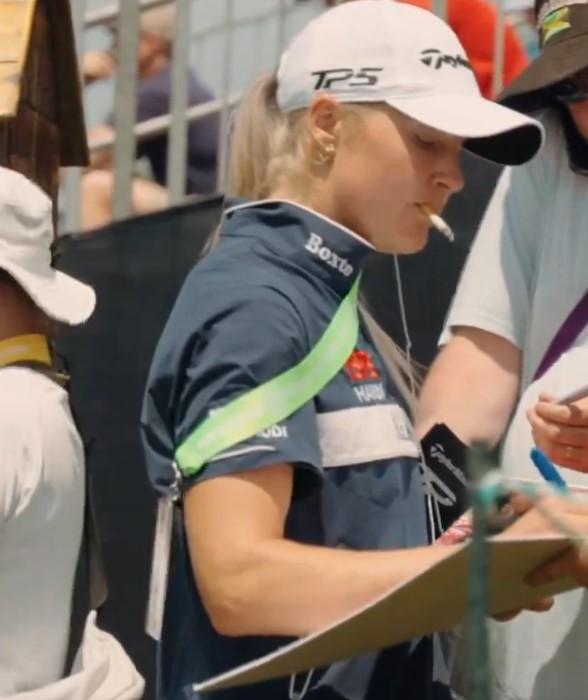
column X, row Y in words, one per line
column 251, row 309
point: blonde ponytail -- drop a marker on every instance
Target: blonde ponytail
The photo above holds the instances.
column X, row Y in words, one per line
column 257, row 122
column 268, row 150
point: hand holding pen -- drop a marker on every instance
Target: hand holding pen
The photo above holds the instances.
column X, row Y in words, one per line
column 560, row 428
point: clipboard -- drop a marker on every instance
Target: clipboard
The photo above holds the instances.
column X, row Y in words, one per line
column 434, row 600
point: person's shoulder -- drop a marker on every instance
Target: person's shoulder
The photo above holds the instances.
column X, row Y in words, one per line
column 40, row 444
column 21, row 386
column 220, row 291
column 234, row 276
column 24, row 393
column 225, row 300
column 226, row 327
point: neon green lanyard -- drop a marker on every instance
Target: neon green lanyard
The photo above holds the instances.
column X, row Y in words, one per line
column 278, row 398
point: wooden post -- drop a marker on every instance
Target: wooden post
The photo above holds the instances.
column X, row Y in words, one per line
column 41, row 116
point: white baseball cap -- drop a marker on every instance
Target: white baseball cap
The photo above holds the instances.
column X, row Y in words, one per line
column 383, row 51
column 26, row 235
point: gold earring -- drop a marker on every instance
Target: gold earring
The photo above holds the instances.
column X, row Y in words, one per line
column 326, row 154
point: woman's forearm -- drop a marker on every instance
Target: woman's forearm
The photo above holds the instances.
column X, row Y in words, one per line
column 285, row 588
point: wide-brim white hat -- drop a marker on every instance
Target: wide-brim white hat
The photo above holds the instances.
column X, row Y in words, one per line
column 26, row 236
column 61, row 297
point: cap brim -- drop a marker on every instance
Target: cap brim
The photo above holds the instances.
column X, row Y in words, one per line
column 490, row 130
column 556, row 62
column 60, row 296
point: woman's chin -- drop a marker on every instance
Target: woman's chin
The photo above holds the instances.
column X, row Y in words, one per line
column 406, row 243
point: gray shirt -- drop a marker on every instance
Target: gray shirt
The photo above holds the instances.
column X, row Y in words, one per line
column 526, row 271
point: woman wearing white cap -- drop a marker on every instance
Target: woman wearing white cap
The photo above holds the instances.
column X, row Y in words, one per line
column 345, row 150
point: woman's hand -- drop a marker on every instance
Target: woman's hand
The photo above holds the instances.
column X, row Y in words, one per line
column 561, row 431
column 555, row 516
column 573, row 562
column 541, row 605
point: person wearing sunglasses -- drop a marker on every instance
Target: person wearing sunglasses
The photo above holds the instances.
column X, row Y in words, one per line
column 516, row 337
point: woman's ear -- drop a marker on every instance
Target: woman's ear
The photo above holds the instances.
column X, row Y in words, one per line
column 325, row 122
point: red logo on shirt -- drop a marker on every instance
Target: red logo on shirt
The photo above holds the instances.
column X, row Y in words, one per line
column 360, row 366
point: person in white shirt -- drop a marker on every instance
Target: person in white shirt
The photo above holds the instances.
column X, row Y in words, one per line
column 42, row 472
column 526, row 272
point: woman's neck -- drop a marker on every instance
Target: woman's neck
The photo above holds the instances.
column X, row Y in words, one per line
column 317, row 200
column 19, row 316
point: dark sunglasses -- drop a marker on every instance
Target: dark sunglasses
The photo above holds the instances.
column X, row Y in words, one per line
column 572, row 89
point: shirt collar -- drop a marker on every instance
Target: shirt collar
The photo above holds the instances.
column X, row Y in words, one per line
column 331, row 252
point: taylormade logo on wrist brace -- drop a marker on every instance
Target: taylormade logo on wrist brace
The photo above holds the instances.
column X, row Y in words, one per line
column 316, row 247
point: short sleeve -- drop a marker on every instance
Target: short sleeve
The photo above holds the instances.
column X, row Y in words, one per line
column 494, row 292
column 235, row 351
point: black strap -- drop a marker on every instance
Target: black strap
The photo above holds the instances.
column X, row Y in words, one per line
column 90, row 588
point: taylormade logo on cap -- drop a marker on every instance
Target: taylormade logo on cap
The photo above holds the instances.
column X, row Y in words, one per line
column 373, row 50
column 408, row 58
column 437, row 59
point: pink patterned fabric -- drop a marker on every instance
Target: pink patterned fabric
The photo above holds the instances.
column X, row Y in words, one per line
column 459, row 532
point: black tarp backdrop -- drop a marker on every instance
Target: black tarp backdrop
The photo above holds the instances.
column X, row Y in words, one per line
column 137, row 268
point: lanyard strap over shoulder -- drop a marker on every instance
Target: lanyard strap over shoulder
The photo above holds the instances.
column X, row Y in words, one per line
column 278, row 398
column 565, row 337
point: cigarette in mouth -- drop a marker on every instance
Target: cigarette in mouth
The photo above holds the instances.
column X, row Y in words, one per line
column 437, row 222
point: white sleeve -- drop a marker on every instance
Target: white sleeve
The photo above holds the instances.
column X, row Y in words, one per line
column 495, row 288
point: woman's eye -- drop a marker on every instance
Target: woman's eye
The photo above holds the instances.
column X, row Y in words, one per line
column 425, row 143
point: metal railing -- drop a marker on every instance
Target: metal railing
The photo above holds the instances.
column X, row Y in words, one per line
column 128, row 133
column 125, row 111
column 98, row 18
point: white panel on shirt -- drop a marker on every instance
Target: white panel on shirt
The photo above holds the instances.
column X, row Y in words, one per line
column 365, row 434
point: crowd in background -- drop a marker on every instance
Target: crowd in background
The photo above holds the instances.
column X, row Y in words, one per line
column 330, row 505
column 474, row 22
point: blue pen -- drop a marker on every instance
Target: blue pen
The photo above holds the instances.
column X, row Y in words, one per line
column 547, row 470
